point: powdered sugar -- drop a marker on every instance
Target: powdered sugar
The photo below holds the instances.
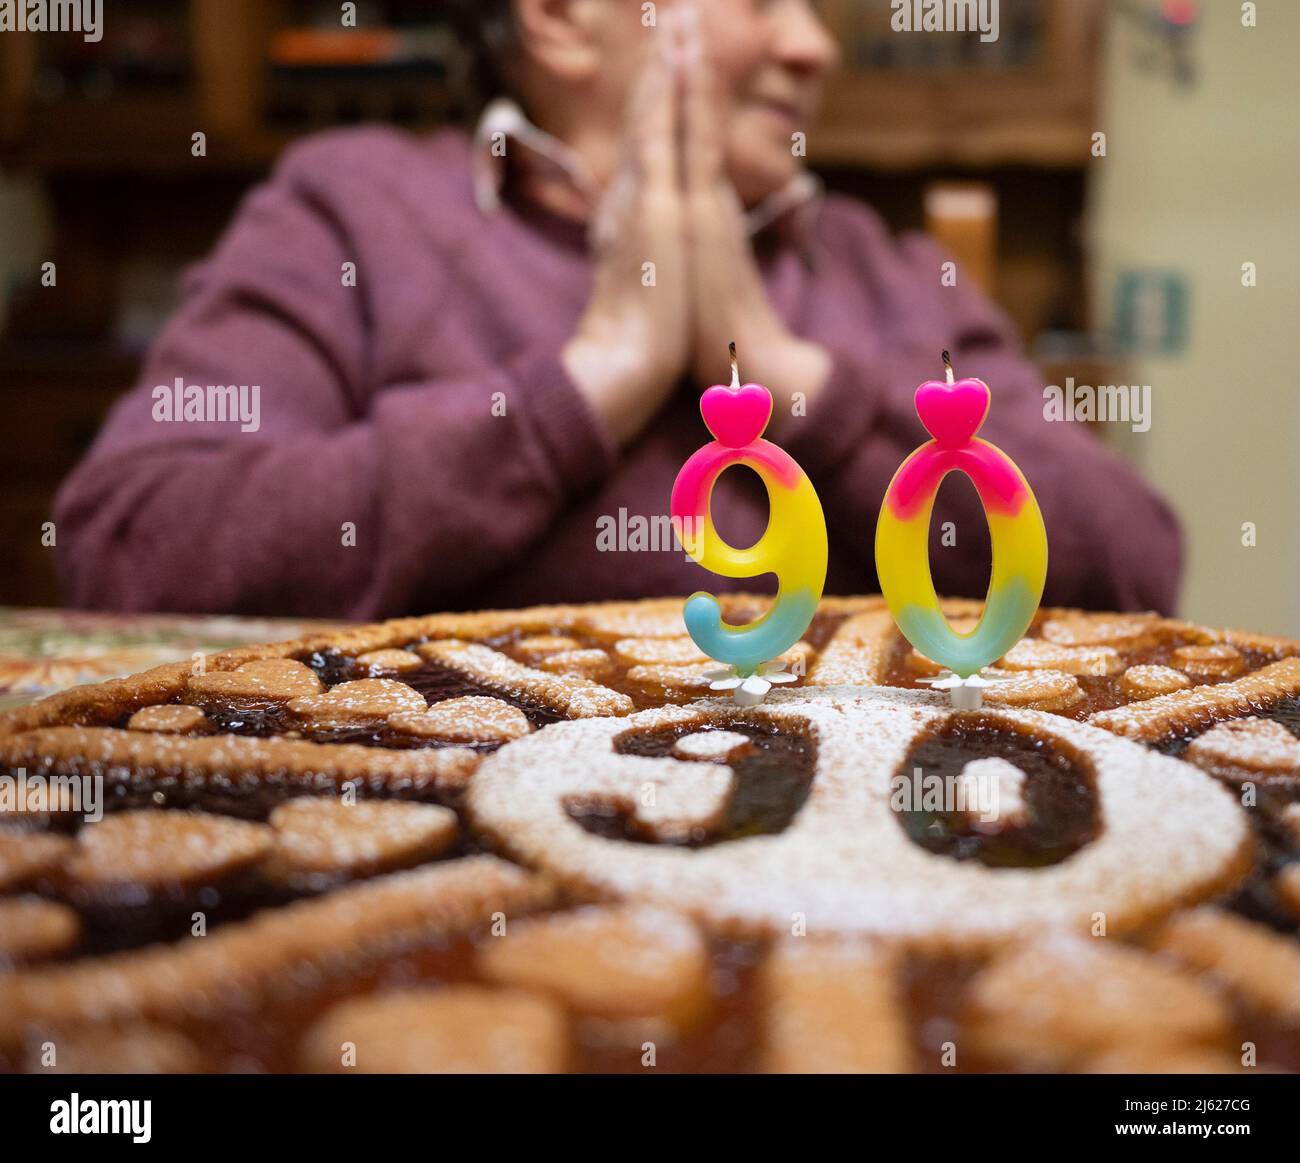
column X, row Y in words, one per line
column 1258, row 746
column 720, row 745
column 575, row 697
column 471, row 719
column 1184, row 711
column 1036, row 654
column 844, row 864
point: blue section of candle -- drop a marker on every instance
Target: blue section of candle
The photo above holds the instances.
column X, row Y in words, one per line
column 1001, row 627
column 748, row 647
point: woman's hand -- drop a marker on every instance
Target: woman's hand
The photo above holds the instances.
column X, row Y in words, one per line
column 631, row 345
column 672, row 205
column 728, row 299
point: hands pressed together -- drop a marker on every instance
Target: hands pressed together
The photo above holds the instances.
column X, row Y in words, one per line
column 671, row 204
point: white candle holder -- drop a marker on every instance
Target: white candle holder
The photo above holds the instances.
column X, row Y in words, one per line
column 966, row 694
column 750, row 690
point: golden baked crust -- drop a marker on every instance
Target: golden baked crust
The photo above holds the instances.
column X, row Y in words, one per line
column 199, row 977
column 460, row 1029
column 833, row 1007
column 734, row 888
column 1058, row 1002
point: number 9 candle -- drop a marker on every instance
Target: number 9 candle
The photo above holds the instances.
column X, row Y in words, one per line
column 952, row 413
column 793, row 546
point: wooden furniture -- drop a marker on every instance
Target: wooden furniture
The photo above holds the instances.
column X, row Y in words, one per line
column 99, row 123
column 902, row 99
column 909, row 99
column 230, row 88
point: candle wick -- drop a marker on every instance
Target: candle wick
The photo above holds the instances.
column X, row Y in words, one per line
column 947, row 367
column 735, row 366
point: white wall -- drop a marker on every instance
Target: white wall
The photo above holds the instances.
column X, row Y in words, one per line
column 1202, row 179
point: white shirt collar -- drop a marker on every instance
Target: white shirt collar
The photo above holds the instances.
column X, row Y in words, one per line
column 503, row 119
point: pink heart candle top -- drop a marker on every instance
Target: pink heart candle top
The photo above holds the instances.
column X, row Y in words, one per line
column 736, row 416
column 952, row 413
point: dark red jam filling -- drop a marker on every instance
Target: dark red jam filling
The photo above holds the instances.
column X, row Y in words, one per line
column 1274, row 844
column 247, row 796
column 1275, row 847
column 773, row 779
column 1277, row 1044
column 819, row 633
column 1285, row 711
column 438, row 683
column 1101, row 692
column 933, row 991
column 1059, row 794
column 822, row 629
column 129, row 917
column 333, row 666
column 434, row 681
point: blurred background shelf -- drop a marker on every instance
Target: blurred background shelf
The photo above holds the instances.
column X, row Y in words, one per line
column 246, row 71
column 907, row 100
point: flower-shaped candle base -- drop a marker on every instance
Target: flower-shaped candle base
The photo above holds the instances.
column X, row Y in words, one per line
column 750, row 690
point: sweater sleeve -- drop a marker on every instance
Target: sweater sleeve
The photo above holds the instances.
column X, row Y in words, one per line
column 1114, row 543
column 342, row 500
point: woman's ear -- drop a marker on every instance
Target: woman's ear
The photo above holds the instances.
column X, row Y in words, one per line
column 564, row 39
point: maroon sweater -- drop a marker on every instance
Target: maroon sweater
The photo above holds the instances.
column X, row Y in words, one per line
column 381, row 412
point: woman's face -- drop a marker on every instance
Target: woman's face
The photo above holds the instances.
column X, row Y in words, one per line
column 771, row 58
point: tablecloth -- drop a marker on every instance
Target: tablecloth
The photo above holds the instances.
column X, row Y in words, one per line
column 42, row 651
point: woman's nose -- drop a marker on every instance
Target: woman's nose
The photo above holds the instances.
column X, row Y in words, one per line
column 800, row 40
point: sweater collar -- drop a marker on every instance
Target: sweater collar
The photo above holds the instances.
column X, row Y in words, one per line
column 790, row 210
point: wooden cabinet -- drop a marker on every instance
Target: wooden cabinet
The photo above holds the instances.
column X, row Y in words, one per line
column 249, row 74
column 902, row 99
column 909, row 99
column 54, row 403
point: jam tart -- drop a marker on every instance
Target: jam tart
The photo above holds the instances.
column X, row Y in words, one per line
column 537, row 841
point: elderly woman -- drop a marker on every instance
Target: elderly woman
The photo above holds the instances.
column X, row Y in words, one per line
column 477, row 357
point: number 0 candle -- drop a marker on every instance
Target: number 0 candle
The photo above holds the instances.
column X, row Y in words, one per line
column 952, row 413
column 793, row 546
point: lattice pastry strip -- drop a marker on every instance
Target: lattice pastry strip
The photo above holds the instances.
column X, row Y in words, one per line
column 460, row 1029
column 244, row 960
column 575, row 697
column 1057, row 1003
column 169, row 764
column 1186, row 710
